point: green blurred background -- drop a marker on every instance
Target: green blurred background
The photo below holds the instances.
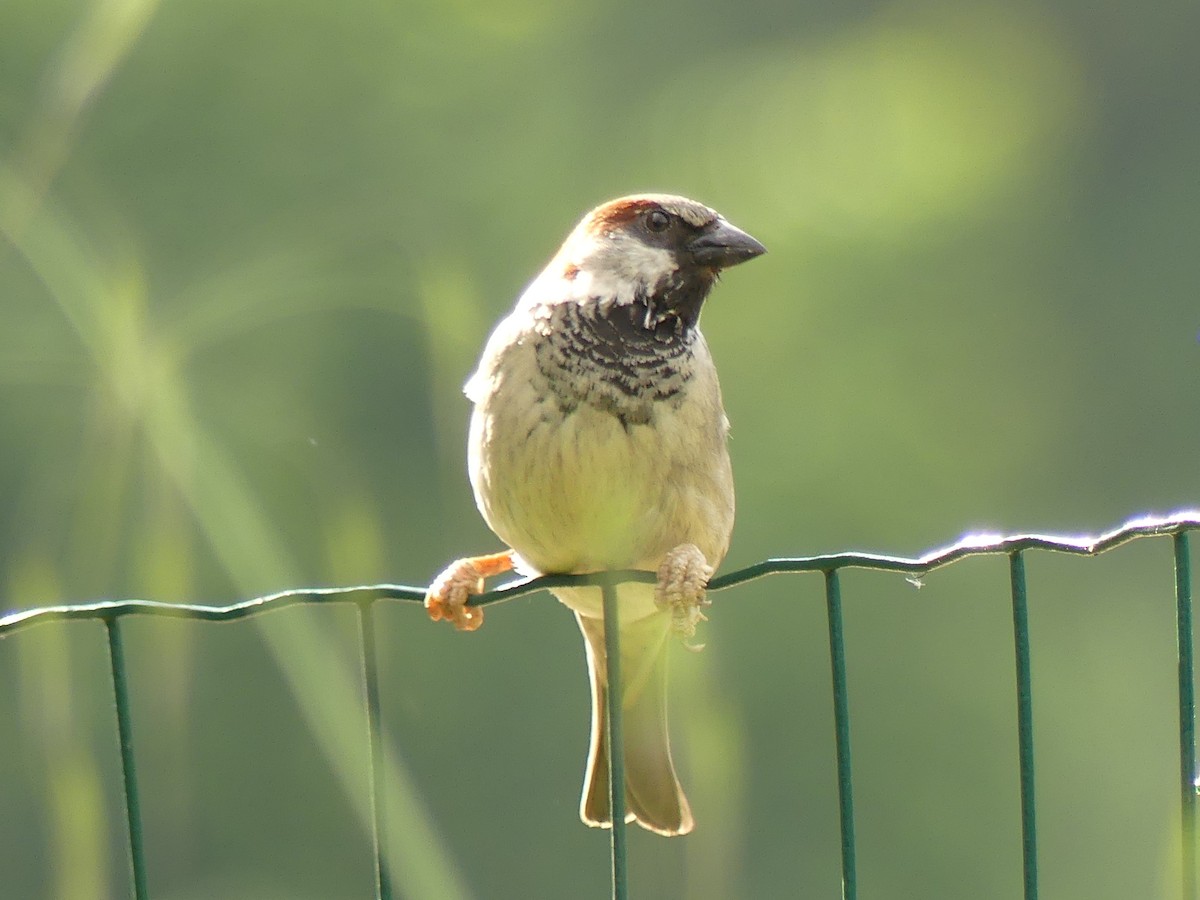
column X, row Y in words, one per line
column 249, row 254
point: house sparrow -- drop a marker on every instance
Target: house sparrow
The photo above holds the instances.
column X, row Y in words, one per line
column 597, row 442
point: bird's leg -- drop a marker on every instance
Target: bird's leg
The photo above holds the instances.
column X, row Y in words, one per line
column 447, row 596
column 682, row 578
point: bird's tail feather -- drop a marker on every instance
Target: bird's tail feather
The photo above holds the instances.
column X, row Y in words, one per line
column 653, row 796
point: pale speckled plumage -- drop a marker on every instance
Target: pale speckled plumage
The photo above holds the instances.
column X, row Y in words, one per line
column 582, row 463
column 583, row 492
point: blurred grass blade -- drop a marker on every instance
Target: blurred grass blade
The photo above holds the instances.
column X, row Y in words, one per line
column 249, row 549
column 85, row 63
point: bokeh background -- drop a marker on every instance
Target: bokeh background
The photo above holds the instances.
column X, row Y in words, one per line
column 249, row 254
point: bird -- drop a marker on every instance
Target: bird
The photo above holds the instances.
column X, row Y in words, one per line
column 598, row 442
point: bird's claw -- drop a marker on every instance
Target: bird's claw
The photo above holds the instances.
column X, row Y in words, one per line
column 682, row 578
column 461, row 580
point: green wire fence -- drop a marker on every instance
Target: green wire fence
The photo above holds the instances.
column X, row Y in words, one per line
column 1015, row 547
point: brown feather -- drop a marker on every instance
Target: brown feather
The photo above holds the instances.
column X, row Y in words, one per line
column 653, row 796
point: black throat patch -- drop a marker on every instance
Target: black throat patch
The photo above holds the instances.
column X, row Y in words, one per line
column 622, row 359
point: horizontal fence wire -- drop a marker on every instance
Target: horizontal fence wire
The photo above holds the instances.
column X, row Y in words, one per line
column 971, row 545
column 1176, row 525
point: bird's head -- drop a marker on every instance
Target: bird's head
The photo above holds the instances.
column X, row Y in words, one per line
column 657, row 250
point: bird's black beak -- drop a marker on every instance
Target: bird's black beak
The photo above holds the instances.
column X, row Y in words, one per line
column 721, row 245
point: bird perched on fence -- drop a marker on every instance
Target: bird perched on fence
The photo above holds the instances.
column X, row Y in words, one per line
column 598, row 442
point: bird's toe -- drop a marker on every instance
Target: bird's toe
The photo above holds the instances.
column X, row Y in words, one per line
column 682, row 578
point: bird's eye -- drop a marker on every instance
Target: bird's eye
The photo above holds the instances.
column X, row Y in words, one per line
column 657, row 220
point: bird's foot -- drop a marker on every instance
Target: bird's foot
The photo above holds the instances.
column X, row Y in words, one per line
column 448, row 595
column 682, row 578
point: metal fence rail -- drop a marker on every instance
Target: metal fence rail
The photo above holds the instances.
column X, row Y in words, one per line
column 1175, row 526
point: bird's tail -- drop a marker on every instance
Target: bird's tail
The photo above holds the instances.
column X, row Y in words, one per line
column 653, row 796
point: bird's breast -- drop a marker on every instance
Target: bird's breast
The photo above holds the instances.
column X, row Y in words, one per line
column 588, row 475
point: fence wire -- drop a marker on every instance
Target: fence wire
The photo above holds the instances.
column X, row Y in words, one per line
column 1176, row 526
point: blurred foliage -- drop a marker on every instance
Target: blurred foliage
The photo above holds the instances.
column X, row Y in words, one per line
column 248, row 255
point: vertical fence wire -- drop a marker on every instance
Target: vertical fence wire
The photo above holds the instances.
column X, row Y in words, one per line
column 133, row 806
column 616, row 745
column 841, row 721
column 1020, row 608
column 1187, row 716
column 376, row 768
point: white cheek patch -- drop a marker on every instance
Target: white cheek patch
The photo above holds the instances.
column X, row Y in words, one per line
column 615, row 267
column 641, row 261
